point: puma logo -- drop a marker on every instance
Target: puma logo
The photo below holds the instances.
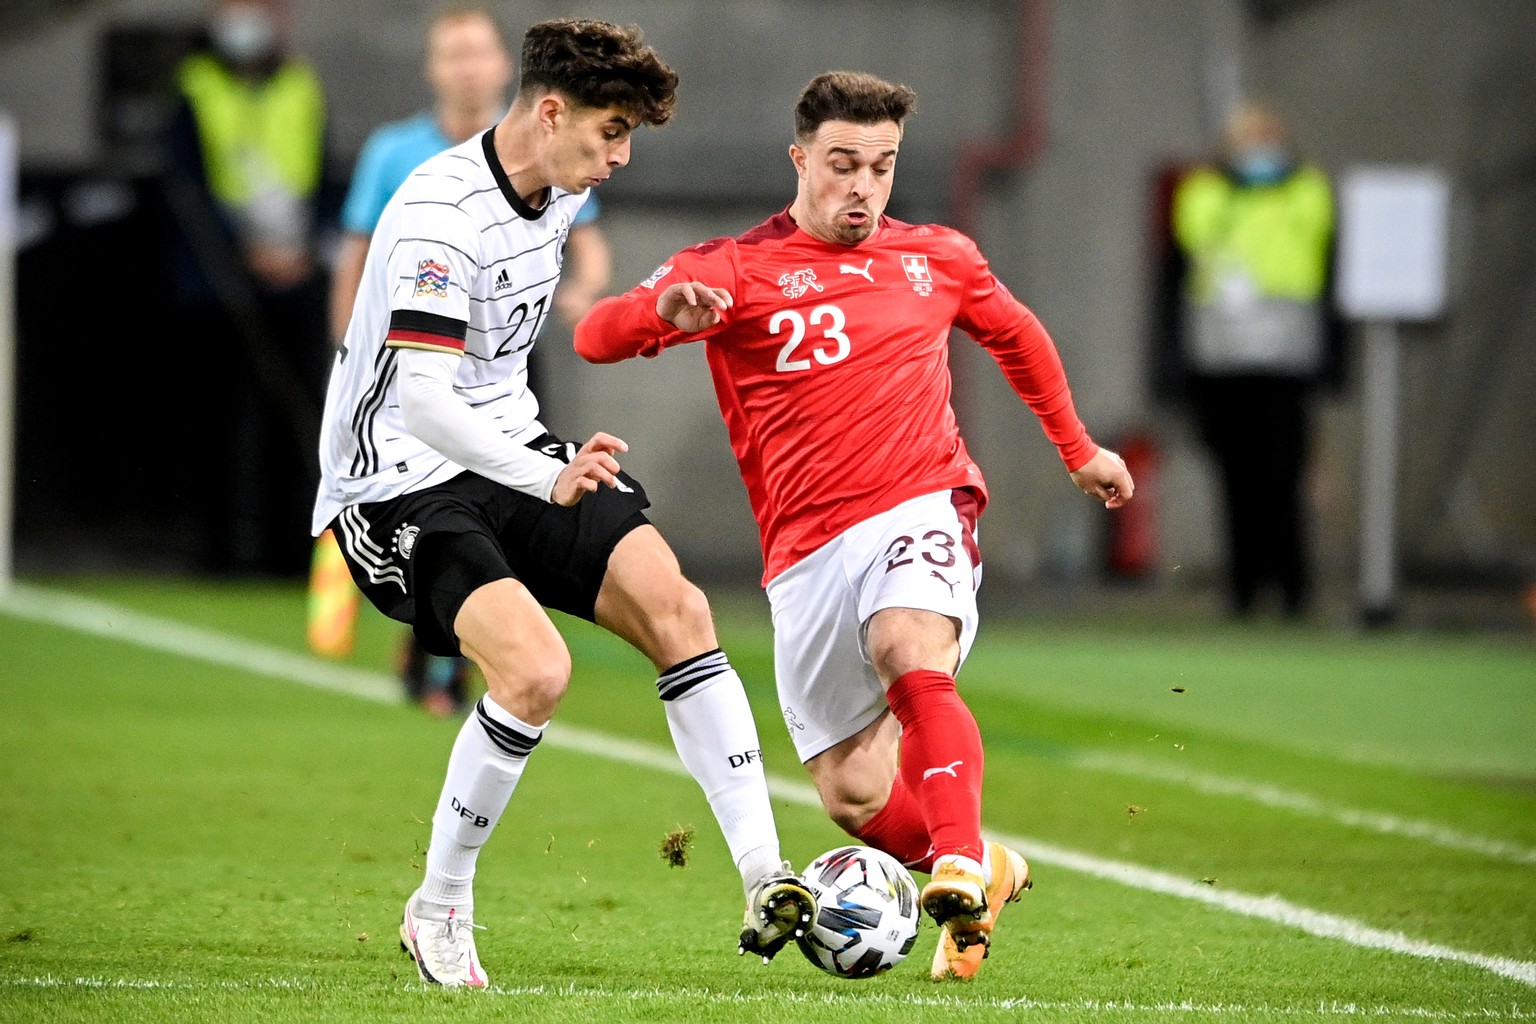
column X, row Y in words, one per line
column 936, row 575
column 947, row 770
column 861, row 271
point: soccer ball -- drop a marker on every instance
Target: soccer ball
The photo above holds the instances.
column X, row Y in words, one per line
column 867, row 914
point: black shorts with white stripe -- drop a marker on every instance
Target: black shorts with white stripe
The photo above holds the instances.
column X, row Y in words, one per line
column 419, row 556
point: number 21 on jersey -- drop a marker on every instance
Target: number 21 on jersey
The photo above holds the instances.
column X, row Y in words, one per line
column 819, row 336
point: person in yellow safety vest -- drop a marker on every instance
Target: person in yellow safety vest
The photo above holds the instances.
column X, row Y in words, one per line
column 248, row 196
column 259, row 117
column 1256, row 334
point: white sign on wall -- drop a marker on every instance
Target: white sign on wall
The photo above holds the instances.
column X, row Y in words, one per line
column 1393, row 223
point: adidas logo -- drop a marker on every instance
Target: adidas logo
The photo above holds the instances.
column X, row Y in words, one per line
column 503, row 280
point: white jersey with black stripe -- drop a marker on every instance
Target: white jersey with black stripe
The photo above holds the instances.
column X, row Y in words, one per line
column 458, row 263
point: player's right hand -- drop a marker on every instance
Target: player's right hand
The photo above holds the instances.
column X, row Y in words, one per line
column 693, row 306
column 593, row 465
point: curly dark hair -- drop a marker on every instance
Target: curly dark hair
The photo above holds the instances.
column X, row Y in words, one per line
column 598, row 64
column 851, row 96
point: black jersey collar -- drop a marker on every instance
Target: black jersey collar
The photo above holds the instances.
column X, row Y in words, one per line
column 522, row 209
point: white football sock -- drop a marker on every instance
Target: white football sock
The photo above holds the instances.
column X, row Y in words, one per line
column 716, row 738
column 759, row 863
column 488, row 758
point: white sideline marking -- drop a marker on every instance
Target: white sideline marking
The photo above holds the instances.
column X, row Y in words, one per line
column 85, row 615
column 106, row 620
column 864, row 998
column 1304, row 803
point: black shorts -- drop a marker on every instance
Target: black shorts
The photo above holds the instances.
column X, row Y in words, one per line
column 419, row 556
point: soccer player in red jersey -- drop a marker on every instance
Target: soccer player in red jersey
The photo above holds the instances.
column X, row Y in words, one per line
column 827, row 330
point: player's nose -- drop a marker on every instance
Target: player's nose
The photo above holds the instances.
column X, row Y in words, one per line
column 619, row 155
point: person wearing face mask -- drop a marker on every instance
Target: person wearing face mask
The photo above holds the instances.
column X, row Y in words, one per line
column 1256, row 335
column 245, row 186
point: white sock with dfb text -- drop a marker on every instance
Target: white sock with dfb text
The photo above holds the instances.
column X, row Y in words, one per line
column 488, row 758
column 716, row 738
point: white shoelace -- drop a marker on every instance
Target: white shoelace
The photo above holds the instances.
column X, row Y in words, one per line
column 452, row 945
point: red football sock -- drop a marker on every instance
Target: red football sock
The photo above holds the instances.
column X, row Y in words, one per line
column 941, row 759
column 898, row 828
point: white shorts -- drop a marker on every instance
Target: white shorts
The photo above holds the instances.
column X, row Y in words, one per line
column 921, row 554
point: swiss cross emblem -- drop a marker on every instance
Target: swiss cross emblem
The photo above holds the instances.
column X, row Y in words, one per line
column 797, row 282
column 917, row 272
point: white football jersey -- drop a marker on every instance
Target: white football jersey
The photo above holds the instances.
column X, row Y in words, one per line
column 458, row 263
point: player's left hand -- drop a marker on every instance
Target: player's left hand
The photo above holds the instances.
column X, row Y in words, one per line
column 1105, row 477
column 594, row 466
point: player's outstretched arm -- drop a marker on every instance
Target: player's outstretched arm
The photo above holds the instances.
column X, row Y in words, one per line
column 1105, row 477
column 593, row 465
column 644, row 323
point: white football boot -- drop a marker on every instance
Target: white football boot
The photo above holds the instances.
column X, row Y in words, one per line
column 444, row 951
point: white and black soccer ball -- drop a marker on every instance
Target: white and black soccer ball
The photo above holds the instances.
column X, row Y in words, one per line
column 867, row 913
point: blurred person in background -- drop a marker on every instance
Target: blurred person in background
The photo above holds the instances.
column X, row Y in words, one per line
column 827, row 332
column 244, row 182
column 469, row 68
column 1255, row 335
column 462, row 516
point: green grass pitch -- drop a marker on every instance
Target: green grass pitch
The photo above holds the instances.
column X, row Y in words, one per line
column 203, row 823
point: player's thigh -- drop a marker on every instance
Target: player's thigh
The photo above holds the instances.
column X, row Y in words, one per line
column 562, row 552
column 646, row 600
column 917, row 568
column 418, row 556
column 827, row 691
column 504, row 630
column 899, row 639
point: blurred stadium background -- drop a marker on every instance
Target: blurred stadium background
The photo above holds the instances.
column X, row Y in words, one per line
column 1044, row 128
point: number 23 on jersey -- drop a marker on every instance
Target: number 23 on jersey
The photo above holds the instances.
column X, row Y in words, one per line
column 817, row 339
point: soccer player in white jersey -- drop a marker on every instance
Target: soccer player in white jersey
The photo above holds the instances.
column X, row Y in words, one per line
column 459, row 514
column 827, row 332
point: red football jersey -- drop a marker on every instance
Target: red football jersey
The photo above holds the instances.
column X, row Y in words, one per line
column 832, row 368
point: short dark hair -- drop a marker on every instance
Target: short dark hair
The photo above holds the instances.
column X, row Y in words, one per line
column 599, row 65
column 851, row 96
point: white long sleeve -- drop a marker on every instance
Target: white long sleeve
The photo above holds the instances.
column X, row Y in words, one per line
column 436, row 414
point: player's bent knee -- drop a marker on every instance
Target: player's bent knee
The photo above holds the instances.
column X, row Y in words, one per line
column 520, row 652
column 901, row 640
column 531, row 692
column 689, row 605
column 850, row 803
column 678, row 615
column 852, row 815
